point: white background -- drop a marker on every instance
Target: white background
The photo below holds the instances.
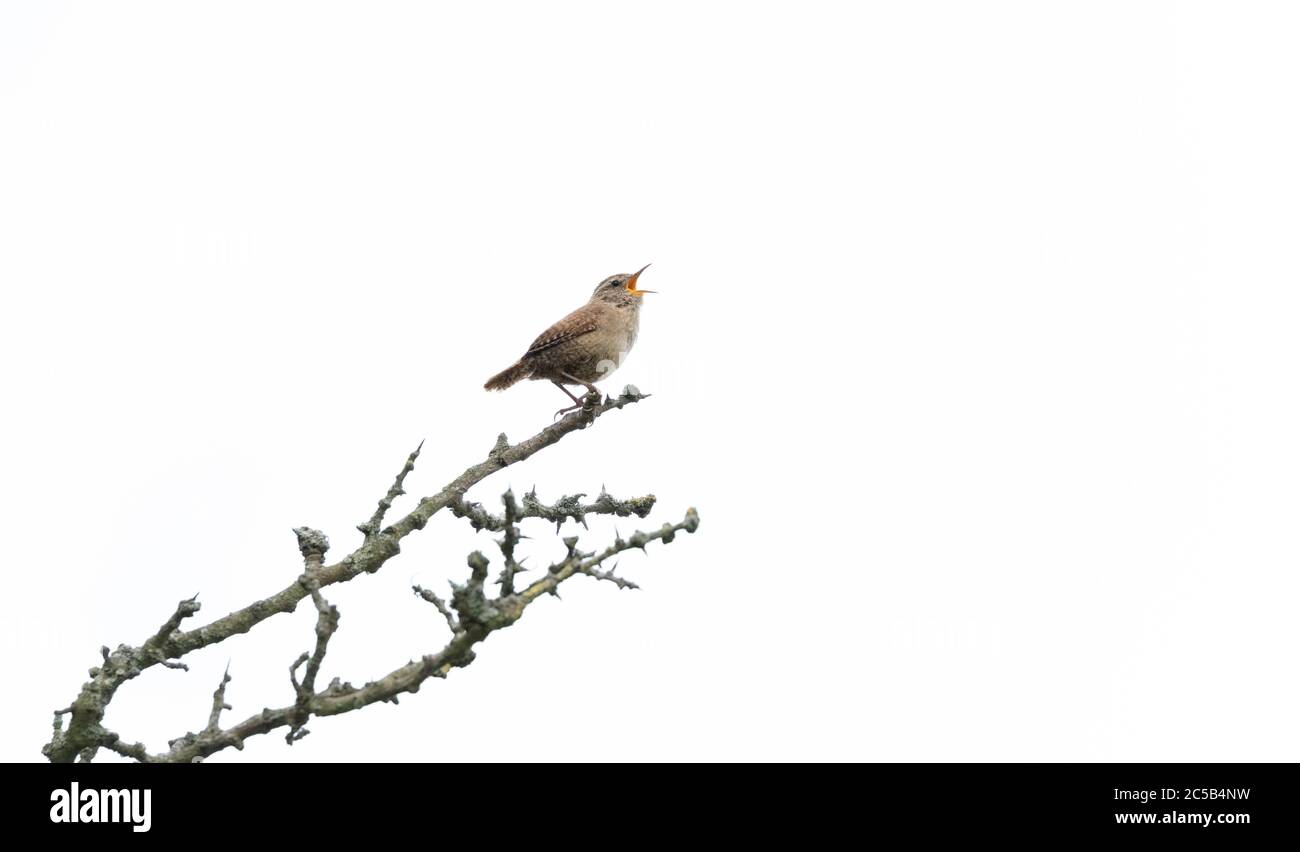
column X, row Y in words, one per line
column 975, row 348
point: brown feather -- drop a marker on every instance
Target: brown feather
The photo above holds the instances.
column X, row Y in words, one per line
column 508, row 376
column 575, row 325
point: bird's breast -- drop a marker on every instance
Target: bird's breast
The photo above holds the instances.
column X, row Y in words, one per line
column 631, row 324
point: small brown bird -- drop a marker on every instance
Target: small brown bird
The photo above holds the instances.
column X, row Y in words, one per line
column 587, row 345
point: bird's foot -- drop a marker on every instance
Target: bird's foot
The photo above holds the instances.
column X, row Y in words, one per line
column 567, row 410
column 586, row 405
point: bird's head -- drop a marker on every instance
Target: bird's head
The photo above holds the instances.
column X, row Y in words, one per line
column 621, row 289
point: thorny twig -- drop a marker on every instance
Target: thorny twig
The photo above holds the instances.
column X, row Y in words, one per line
column 439, row 604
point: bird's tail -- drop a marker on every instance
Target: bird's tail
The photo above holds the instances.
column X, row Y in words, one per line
column 507, row 377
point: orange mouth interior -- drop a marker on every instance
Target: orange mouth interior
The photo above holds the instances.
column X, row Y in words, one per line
column 631, row 282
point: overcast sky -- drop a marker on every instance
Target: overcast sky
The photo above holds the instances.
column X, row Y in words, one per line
column 975, row 348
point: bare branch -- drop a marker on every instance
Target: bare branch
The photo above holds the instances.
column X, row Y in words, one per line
column 219, row 702
column 480, row 617
column 568, row 506
column 371, row 527
column 184, row 610
column 578, row 562
column 475, row 615
column 439, row 604
column 327, row 621
column 507, row 544
column 135, row 751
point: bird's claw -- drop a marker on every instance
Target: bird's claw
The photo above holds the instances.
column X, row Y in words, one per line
column 588, row 402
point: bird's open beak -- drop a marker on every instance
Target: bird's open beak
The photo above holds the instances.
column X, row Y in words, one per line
column 631, row 282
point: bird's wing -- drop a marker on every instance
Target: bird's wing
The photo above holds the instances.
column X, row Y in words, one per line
column 575, row 325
